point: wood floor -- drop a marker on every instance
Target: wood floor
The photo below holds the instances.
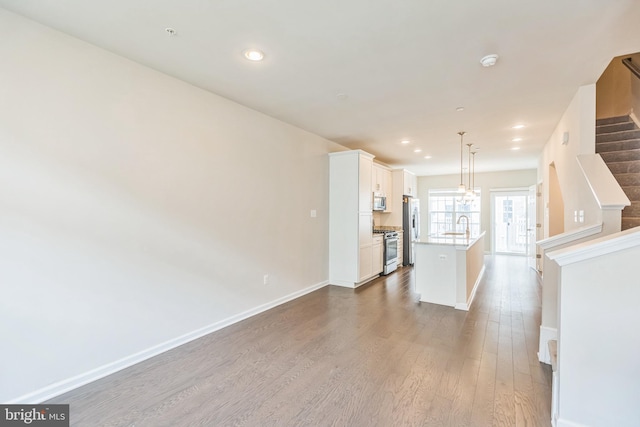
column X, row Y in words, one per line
column 338, row 357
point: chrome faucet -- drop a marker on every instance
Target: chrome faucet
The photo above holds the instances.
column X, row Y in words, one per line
column 466, row 231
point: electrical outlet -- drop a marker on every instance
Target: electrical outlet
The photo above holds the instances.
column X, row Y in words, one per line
column 313, row 213
column 265, row 279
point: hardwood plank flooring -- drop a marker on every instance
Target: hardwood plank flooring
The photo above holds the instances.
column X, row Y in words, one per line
column 374, row 356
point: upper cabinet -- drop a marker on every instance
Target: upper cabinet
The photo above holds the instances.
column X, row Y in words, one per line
column 410, row 184
column 381, row 182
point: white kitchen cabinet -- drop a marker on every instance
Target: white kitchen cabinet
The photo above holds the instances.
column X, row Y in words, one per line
column 377, row 184
column 403, row 183
column 400, row 245
column 382, row 182
column 378, row 254
column 387, row 184
column 365, row 240
column 410, row 184
column 351, row 252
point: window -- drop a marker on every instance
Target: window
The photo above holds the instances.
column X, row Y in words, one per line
column 445, row 209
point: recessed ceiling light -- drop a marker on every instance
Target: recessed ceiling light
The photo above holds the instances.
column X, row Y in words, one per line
column 417, row 150
column 459, row 109
column 253, row 54
column 405, row 141
column 517, row 127
column 515, row 148
column 518, row 139
column 489, row 60
column 427, row 157
column 342, row 96
column 170, row 31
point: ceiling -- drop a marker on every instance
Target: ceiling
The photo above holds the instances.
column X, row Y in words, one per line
column 404, row 66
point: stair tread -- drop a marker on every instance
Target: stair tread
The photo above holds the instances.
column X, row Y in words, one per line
column 618, row 140
column 624, row 166
column 613, row 120
column 620, row 156
column 618, row 136
column 613, row 146
column 615, row 127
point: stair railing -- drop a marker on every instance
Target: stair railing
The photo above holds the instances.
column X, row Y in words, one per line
column 631, row 66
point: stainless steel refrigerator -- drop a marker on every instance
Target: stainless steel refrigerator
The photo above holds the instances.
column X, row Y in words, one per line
column 410, row 226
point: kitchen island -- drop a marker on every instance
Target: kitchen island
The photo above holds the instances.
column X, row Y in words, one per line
column 448, row 269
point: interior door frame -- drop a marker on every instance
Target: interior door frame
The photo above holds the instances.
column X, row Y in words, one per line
column 516, row 191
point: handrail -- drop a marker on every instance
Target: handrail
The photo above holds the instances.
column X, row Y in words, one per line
column 597, row 247
column 631, row 66
column 569, row 237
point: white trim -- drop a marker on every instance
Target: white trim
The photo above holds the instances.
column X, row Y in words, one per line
column 514, row 189
column 350, row 152
column 343, row 283
column 597, row 247
column 72, row 383
column 634, row 118
column 466, row 306
column 565, row 423
column 546, row 334
column 569, row 236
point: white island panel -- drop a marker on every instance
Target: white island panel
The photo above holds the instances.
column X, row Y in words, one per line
column 449, row 269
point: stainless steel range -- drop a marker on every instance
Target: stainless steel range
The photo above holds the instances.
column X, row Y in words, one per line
column 390, row 252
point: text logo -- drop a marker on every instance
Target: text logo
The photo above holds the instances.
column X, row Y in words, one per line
column 34, row 415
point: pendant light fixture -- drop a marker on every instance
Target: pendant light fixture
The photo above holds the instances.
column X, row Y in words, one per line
column 473, row 171
column 461, row 188
column 469, row 194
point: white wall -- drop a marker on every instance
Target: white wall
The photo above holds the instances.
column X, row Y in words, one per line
column 136, row 208
column 486, row 181
column 579, row 120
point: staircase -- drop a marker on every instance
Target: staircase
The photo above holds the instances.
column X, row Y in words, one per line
column 618, row 143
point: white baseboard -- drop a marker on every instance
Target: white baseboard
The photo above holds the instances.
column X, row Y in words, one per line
column 546, row 334
column 467, row 305
column 566, row 423
column 69, row 384
column 343, row 283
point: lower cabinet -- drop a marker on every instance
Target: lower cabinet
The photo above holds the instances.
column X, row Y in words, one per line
column 365, row 240
column 400, row 240
column 378, row 254
column 366, row 262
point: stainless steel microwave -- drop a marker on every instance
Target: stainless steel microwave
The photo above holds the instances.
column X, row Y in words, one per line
column 379, row 202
